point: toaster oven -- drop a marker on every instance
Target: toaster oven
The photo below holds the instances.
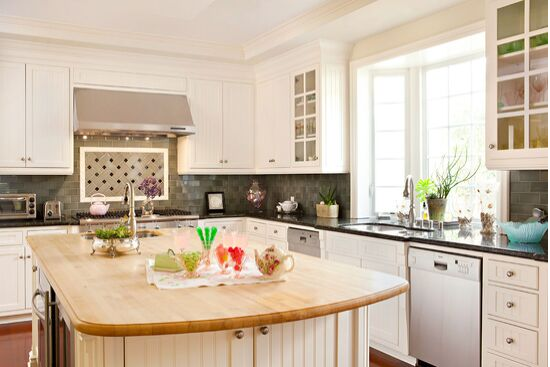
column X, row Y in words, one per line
column 17, row 206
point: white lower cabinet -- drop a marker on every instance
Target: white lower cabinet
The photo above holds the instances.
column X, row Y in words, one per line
column 12, row 272
column 388, row 319
column 224, row 225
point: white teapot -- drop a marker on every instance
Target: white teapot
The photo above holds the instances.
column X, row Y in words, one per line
column 274, row 262
column 99, row 207
column 289, row 206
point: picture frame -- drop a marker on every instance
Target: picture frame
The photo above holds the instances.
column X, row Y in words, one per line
column 215, row 202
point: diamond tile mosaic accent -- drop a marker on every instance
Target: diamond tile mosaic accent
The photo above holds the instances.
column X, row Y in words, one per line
column 107, row 171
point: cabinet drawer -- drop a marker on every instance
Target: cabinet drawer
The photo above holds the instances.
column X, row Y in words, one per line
column 492, row 360
column 275, row 231
column 255, row 228
column 343, row 259
column 513, row 274
column 380, row 250
column 512, row 340
column 343, row 244
column 228, row 226
column 513, row 305
column 11, row 238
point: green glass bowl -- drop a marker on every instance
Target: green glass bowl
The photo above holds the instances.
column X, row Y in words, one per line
column 528, row 232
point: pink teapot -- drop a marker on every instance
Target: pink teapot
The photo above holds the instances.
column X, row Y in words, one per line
column 99, row 207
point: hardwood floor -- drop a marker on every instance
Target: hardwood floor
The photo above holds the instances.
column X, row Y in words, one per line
column 15, row 344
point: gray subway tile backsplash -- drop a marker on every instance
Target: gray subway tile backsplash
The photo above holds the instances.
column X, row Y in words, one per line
column 528, row 190
column 187, row 191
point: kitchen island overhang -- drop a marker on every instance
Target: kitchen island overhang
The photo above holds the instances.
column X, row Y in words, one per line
column 105, row 297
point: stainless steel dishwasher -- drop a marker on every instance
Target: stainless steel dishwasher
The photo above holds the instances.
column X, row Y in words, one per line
column 304, row 241
column 445, row 309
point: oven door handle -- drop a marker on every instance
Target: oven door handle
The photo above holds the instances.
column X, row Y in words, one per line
column 41, row 315
column 45, row 316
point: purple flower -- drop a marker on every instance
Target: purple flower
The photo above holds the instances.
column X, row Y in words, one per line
column 151, row 187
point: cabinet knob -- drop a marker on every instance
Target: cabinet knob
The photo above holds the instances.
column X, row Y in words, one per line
column 34, row 268
column 315, row 158
column 509, row 340
column 221, row 160
column 225, row 161
column 21, row 257
column 272, row 160
column 509, row 304
column 23, row 159
column 264, row 330
column 275, row 231
column 491, row 146
column 29, row 159
column 224, row 227
column 239, row 334
column 255, row 228
column 28, row 256
column 509, row 273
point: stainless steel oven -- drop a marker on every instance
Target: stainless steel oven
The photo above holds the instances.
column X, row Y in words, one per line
column 17, row 206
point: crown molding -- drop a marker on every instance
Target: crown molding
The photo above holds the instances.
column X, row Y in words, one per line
column 39, row 30
column 300, row 25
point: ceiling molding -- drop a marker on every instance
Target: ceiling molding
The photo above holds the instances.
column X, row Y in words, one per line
column 300, row 25
column 33, row 29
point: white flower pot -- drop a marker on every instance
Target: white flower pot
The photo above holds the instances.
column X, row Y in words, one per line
column 327, row 211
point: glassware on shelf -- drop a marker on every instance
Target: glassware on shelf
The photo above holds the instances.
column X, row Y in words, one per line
column 538, row 14
column 511, row 20
column 299, row 151
column 511, row 58
column 310, row 81
column 538, row 52
column 511, row 94
column 299, row 129
column 311, row 127
column 311, row 151
column 299, row 107
column 311, row 104
column 510, row 133
column 538, row 130
column 299, row 84
column 538, row 91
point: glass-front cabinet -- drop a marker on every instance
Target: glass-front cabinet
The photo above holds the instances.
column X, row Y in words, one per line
column 305, row 118
column 517, row 84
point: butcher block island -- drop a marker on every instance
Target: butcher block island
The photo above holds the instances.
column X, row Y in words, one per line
column 318, row 316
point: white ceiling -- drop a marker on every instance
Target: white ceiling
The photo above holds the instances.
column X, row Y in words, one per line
column 219, row 21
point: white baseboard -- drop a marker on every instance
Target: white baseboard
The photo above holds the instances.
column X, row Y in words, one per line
column 10, row 319
column 407, row 359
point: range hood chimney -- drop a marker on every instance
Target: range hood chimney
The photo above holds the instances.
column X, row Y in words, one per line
column 115, row 112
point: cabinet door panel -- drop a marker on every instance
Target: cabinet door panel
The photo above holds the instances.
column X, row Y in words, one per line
column 205, row 101
column 238, row 125
column 12, row 272
column 12, row 114
column 48, row 124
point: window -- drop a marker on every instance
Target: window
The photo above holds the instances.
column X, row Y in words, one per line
column 389, row 112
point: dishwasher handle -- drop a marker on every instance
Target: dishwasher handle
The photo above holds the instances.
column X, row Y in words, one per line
column 440, row 265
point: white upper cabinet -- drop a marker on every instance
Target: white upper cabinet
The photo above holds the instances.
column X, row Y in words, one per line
column 48, row 128
column 35, row 117
column 205, row 147
column 12, row 114
column 223, row 113
column 238, row 125
column 517, row 84
column 273, row 124
column 305, row 118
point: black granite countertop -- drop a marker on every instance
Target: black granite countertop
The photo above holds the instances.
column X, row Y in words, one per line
column 448, row 238
column 38, row 222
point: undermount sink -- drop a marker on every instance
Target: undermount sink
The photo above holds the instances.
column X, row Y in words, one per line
column 144, row 233
column 383, row 227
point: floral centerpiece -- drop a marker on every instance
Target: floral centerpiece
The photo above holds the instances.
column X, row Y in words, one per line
column 151, row 187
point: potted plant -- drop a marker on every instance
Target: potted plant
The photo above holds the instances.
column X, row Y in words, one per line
column 327, row 208
column 436, row 191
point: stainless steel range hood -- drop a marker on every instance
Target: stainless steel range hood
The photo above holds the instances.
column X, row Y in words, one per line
column 115, row 112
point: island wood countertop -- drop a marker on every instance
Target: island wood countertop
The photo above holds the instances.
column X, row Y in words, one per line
column 106, row 296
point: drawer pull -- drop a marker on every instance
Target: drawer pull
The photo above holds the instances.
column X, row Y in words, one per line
column 21, row 257
column 224, row 227
column 255, row 228
column 264, row 330
column 509, row 273
column 509, row 304
column 34, row 268
column 509, row 340
column 275, row 231
column 239, row 334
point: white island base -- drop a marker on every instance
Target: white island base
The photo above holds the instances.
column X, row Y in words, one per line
column 334, row 340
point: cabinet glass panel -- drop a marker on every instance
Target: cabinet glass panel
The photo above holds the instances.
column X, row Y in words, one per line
column 298, row 106
column 511, row 57
column 510, row 20
column 511, row 94
column 299, row 151
column 538, row 52
column 311, row 104
column 538, row 90
column 310, row 81
column 538, row 14
column 299, row 84
column 538, row 130
column 299, row 129
column 510, row 132
column 311, row 152
column 311, row 127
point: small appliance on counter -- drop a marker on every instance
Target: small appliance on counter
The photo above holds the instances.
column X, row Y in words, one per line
column 17, row 206
column 53, row 209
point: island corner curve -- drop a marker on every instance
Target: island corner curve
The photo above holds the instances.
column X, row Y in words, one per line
column 116, row 301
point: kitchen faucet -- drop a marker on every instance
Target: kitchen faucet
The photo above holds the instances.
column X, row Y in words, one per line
column 408, row 193
column 129, row 199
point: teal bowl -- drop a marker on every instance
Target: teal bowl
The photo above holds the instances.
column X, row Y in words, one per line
column 528, row 232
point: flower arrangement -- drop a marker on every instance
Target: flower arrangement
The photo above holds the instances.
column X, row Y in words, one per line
column 151, row 187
